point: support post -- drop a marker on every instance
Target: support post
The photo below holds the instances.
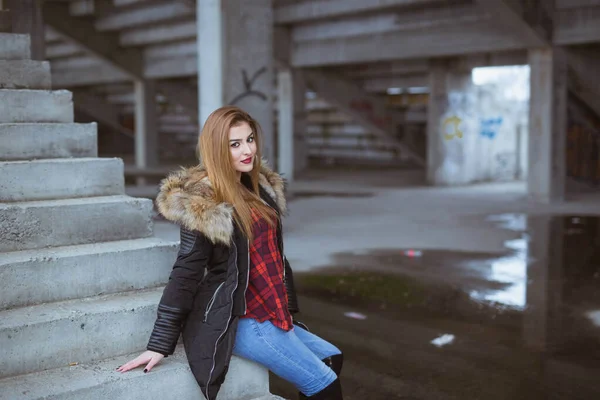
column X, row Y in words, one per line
column 146, row 132
column 547, row 124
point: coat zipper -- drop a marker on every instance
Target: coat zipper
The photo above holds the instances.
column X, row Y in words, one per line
column 247, row 278
column 212, row 368
column 212, row 301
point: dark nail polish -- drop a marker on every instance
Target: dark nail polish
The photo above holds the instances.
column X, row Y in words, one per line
column 145, row 370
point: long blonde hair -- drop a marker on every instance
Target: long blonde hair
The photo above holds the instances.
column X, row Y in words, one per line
column 213, row 148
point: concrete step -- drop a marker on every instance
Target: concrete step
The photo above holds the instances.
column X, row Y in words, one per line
column 14, row 46
column 25, row 74
column 36, row 106
column 85, row 330
column 61, row 178
column 171, row 379
column 50, row 140
column 48, row 275
column 53, row 223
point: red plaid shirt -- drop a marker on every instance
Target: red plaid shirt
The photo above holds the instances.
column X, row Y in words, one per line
column 266, row 297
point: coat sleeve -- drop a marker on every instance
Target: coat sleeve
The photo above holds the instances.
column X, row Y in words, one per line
column 290, row 288
column 178, row 296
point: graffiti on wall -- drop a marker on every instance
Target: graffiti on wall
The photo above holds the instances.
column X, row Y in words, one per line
column 249, row 91
column 451, row 128
column 489, row 127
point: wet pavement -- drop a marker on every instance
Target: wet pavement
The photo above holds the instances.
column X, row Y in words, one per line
column 444, row 324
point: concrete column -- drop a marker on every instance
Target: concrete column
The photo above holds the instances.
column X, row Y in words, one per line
column 235, row 39
column 26, row 17
column 285, row 124
column 146, row 132
column 292, row 144
column 547, row 124
column 300, row 119
column 210, row 57
column 450, row 129
column 542, row 316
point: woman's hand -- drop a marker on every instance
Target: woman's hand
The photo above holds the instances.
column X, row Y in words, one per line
column 150, row 358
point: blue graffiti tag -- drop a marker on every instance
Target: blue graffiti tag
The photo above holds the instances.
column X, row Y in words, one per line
column 489, row 127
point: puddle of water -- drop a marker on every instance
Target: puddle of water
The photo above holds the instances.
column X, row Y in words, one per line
column 541, row 297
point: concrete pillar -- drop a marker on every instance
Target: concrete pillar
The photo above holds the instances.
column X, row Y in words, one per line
column 26, row 17
column 235, row 39
column 542, row 315
column 547, row 124
column 292, row 143
column 300, row 121
column 285, row 124
column 146, row 132
column 450, row 130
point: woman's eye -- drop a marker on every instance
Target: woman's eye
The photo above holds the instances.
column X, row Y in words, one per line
column 251, row 139
column 235, row 145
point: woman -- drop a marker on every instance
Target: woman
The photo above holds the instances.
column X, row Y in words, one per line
column 231, row 289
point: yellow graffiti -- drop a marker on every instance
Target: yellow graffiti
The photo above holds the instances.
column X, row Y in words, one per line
column 454, row 121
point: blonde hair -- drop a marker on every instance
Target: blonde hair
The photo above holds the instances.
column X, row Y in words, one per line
column 214, row 151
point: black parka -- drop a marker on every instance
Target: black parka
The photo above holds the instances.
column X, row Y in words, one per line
column 206, row 292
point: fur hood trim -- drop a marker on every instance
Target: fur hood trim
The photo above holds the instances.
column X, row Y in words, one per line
column 186, row 197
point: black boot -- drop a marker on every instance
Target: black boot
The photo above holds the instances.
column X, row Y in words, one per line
column 331, row 392
column 334, row 362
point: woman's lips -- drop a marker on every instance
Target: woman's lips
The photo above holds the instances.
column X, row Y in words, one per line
column 247, row 160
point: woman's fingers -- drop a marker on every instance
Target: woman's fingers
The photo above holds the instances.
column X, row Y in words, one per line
column 152, row 363
column 136, row 362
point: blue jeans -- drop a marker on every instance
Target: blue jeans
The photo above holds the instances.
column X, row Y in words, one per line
column 295, row 356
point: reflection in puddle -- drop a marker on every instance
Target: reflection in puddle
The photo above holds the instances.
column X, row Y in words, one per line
column 510, row 270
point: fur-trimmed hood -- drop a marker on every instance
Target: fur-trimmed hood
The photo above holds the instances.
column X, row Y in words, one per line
column 187, row 198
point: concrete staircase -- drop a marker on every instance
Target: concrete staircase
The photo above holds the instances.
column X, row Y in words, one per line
column 81, row 273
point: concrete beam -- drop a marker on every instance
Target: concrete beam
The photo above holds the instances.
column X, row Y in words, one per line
column 362, row 25
column 103, row 73
column 99, row 109
column 577, row 26
column 152, row 14
column 510, row 15
column 381, row 85
column 448, row 40
column 323, row 9
column 171, row 50
column 105, row 46
column 393, row 68
column 159, row 34
column 370, row 111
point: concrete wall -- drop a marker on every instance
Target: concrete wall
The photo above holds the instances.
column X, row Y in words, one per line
column 477, row 133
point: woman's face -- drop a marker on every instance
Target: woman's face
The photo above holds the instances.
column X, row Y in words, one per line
column 242, row 146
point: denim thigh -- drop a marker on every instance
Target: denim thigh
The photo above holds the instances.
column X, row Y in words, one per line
column 283, row 353
column 321, row 347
